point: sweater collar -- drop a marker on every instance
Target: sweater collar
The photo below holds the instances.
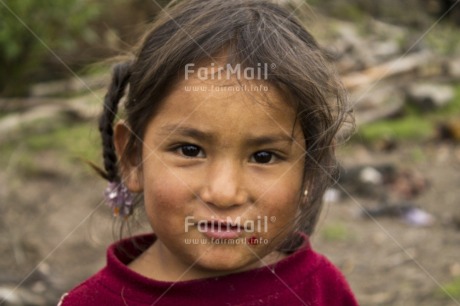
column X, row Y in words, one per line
column 237, row 287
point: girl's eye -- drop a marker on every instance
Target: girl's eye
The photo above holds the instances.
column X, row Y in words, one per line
column 263, row 157
column 190, row 151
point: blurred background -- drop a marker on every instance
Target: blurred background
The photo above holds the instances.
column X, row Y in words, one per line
column 391, row 223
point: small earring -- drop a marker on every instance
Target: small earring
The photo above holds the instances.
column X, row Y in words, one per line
column 119, row 198
column 305, row 192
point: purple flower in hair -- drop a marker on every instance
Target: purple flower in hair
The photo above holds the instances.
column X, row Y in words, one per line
column 119, row 198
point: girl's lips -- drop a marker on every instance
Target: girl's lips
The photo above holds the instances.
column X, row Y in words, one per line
column 220, row 230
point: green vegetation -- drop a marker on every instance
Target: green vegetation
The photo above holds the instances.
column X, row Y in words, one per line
column 335, row 232
column 391, row 11
column 31, row 29
column 443, row 39
column 451, row 289
column 74, row 142
column 413, row 126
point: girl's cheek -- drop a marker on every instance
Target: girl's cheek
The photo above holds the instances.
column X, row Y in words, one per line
column 165, row 209
column 281, row 200
column 166, row 196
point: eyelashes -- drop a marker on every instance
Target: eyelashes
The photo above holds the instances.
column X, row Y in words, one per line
column 264, row 157
column 190, row 151
column 259, row 157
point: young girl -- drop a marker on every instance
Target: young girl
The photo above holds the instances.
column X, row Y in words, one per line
column 228, row 142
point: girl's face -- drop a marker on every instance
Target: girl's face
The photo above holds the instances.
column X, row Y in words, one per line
column 221, row 177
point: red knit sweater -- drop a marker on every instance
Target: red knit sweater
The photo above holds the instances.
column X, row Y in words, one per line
column 302, row 278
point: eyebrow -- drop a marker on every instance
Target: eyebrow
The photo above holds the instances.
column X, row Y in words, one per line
column 188, row 131
column 268, row 139
column 171, row 129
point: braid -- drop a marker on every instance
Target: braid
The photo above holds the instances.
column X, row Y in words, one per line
column 121, row 73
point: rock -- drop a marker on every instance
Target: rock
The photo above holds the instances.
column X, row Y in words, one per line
column 385, row 50
column 452, row 67
column 356, row 46
column 371, row 175
column 367, row 181
column 429, row 96
column 36, row 289
column 10, row 295
column 331, row 195
column 373, row 104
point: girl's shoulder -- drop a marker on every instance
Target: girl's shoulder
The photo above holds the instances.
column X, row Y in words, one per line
column 90, row 292
column 108, row 284
column 313, row 277
column 329, row 283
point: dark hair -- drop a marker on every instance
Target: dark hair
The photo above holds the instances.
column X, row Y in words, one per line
column 251, row 32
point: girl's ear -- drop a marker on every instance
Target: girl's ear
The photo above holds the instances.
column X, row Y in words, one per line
column 131, row 173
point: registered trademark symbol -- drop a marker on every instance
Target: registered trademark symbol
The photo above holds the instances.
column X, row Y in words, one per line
column 273, row 66
column 272, row 218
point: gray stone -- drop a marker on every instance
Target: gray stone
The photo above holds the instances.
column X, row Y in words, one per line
column 427, row 96
column 453, row 68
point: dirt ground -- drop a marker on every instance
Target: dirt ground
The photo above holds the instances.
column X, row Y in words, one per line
column 55, row 229
column 386, row 260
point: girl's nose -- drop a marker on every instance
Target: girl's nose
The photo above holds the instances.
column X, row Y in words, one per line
column 224, row 186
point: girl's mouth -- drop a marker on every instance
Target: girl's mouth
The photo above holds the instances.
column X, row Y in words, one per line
column 220, row 230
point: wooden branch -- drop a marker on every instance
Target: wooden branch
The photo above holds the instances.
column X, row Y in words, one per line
column 389, row 69
column 81, row 108
column 69, row 86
